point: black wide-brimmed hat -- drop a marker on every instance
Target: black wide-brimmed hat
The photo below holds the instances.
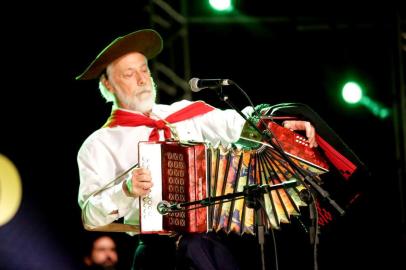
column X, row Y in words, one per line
column 145, row 41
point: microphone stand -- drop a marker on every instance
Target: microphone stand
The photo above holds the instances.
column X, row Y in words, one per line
column 254, row 201
column 252, row 194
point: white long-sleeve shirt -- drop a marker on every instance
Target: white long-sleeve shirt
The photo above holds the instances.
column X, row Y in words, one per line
column 108, row 152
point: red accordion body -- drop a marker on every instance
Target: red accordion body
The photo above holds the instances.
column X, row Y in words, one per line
column 179, row 175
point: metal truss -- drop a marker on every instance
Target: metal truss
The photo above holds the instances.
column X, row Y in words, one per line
column 171, row 69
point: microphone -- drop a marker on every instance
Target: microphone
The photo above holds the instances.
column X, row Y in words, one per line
column 197, row 84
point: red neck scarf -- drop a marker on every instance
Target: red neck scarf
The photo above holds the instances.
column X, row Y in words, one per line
column 124, row 118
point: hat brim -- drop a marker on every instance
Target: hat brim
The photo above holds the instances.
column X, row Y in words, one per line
column 146, row 41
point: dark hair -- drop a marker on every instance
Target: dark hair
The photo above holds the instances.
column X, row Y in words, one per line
column 90, row 238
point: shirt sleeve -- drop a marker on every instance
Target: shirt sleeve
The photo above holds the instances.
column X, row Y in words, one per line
column 223, row 126
column 100, row 208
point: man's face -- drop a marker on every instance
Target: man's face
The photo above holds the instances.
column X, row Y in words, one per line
column 130, row 80
column 104, row 252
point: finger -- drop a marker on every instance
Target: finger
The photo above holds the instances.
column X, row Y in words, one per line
column 142, row 178
column 287, row 124
column 143, row 185
column 141, row 192
column 142, row 175
column 312, row 142
column 309, row 130
column 311, row 134
column 141, row 171
column 142, row 188
column 294, row 124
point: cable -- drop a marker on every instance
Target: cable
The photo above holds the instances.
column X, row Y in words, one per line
column 273, row 235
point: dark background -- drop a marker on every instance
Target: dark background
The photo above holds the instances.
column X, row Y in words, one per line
column 290, row 54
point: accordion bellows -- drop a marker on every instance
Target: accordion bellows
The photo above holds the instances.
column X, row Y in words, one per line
column 195, row 171
column 231, row 170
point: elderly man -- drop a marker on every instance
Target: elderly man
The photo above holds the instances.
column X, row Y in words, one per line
column 125, row 80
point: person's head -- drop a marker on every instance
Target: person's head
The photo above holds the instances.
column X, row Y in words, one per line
column 123, row 72
column 102, row 253
column 128, row 83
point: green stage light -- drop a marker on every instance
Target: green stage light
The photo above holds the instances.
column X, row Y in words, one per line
column 221, row 5
column 352, row 93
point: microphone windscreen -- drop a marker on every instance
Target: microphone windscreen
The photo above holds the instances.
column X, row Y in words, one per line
column 193, row 85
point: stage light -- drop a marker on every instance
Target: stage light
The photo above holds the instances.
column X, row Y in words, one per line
column 10, row 190
column 352, row 93
column 221, row 5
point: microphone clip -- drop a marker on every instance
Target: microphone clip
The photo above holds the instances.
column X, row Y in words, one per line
column 164, row 207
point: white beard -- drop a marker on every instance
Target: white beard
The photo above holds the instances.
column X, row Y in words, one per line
column 138, row 103
column 144, row 105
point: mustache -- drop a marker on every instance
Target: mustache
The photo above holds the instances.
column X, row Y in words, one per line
column 143, row 91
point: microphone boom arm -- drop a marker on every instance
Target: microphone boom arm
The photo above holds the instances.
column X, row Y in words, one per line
column 229, row 103
column 249, row 191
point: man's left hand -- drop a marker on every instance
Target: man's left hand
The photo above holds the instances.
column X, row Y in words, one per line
column 303, row 125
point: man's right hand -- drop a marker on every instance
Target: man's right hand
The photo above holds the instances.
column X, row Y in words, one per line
column 141, row 183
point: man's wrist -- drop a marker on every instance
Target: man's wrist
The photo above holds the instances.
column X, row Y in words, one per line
column 127, row 187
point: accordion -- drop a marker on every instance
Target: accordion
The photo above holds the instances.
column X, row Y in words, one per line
column 193, row 171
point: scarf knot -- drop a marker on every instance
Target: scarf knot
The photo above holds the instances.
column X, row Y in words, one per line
column 160, row 124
